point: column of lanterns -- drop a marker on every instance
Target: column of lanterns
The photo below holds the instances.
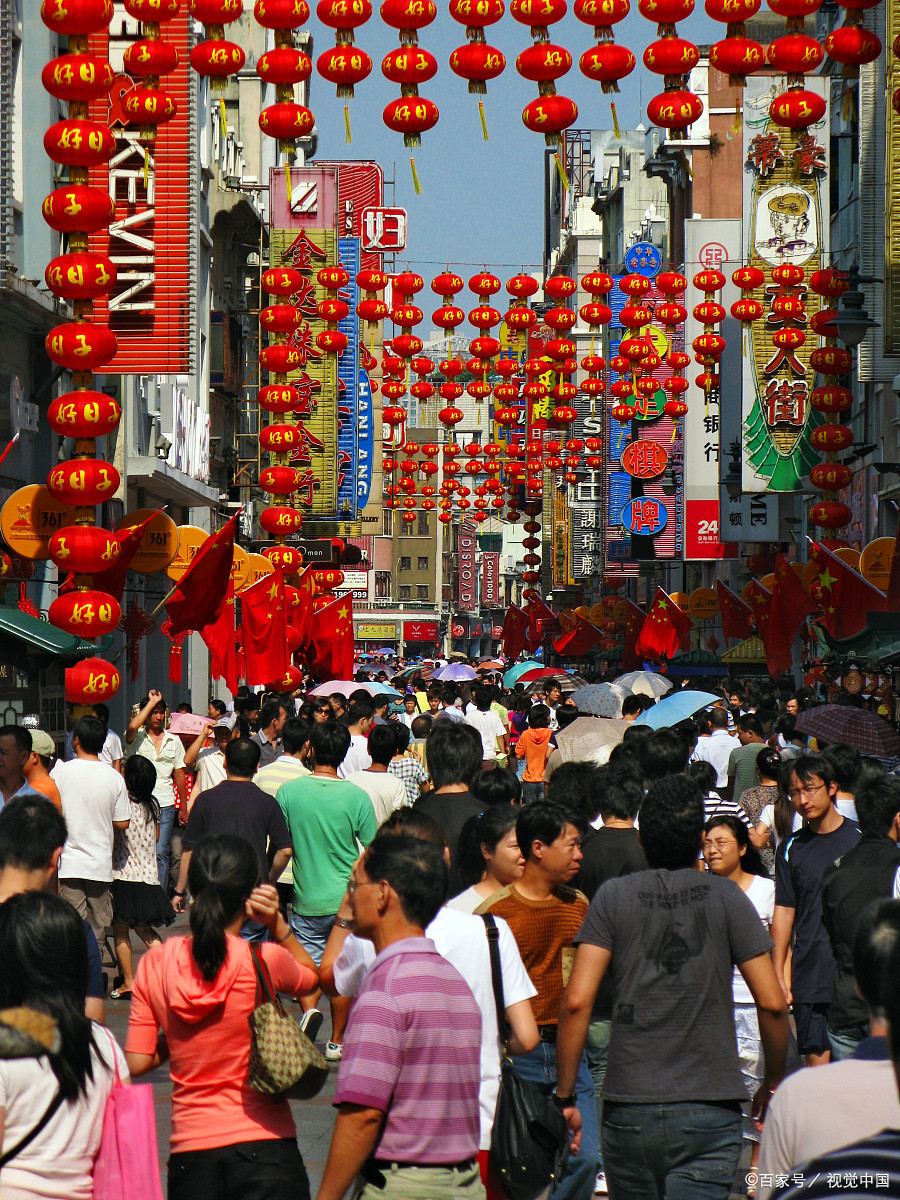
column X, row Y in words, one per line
column 550, row 114
column 561, row 349
column 596, row 313
column 476, row 61
column 795, row 54
column 83, row 345
column 831, row 361
column 370, row 309
column 485, row 346
column 411, row 114
column 632, row 349
column 344, row 65
column 672, row 57
column 670, row 314
column 284, row 67
column 709, row 345
column 608, row 61
column 520, row 317
column 148, row 59
column 215, row 57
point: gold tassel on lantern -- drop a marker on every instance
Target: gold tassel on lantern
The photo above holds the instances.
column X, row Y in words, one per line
column 347, row 137
column 483, row 119
column 612, row 109
column 562, row 171
column 287, row 181
column 416, row 185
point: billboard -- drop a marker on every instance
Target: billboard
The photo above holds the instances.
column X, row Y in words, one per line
column 490, row 580
column 468, row 579
column 152, row 239
column 786, row 220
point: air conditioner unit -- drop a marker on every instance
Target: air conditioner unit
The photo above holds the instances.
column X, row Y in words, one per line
column 507, row 564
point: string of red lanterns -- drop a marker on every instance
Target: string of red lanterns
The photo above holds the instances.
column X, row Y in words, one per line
column 284, row 66
column 411, row 114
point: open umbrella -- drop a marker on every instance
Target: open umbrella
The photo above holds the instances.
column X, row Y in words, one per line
column 677, row 707
column 600, row 699
column 566, row 683
column 645, row 683
column 536, row 673
column 384, row 689
column 344, row 687
column 870, row 734
column 456, row 673
column 587, row 736
column 513, row 675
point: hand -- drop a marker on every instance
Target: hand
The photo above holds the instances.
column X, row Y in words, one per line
column 262, row 906
column 153, row 698
column 788, row 994
column 183, row 815
column 760, row 1103
column 179, row 904
column 573, row 1120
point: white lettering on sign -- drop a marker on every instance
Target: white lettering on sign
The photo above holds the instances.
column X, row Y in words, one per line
column 383, row 229
column 305, row 199
column 136, row 272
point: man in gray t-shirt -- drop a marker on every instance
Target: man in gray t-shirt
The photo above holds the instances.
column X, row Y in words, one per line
column 670, row 937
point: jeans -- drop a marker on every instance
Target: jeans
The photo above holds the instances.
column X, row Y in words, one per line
column 532, row 793
column 271, row 1169
column 312, row 933
column 166, row 822
column 844, row 1042
column 538, row 1067
column 596, row 1051
column 679, row 1151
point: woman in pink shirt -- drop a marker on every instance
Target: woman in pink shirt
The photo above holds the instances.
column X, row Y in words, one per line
column 191, row 1002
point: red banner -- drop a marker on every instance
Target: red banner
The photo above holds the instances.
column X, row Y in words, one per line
column 421, row 631
column 490, row 580
column 468, row 597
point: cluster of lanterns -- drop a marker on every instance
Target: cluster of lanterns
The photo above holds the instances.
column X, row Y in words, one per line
column 832, row 401
column 283, row 66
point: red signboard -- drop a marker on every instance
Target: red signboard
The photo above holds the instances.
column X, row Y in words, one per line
column 701, row 531
column 151, row 239
column 497, row 632
column 384, row 230
column 468, row 598
column 644, row 459
column 420, row 631
column 490, row 580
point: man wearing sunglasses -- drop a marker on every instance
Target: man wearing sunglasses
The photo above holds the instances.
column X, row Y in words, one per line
column 801, row 862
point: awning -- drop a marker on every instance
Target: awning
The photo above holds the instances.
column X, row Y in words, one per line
column 45, row 638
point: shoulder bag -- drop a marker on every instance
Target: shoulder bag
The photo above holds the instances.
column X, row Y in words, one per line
column 530, row 1138
column 127, row 1163
column 283, row 1061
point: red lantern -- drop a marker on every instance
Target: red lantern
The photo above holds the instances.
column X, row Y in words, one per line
column 286, row 65
column 78, row 208
column 795, row 54
column 675, row 109
column 281, row 14
column 216, row 58
column 411, row 116
column 737, row 57
column 607, row 63
column 83, row 482
column 543, row 62
column 80, row 276
column 85, row 613
column 830, row 476
column 852, row 46
column 280, row 481
column 76, row 17
column 344, row 66
column 91, row 681
column 77, row 77
column 830, row 514
column 286, row 121
column 477, row 63
column 832, row 438
column 280, row 521
column 79, row 143
column 84, row 549
column 797, row 109
column 409, row 64
column 80, row 346
column 84, row 414
column 671, row 56
column 287, row 558
column 549, row 115
column 150, row 58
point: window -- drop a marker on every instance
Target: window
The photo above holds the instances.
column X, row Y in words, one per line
column 423, row 562
column 422, row 591
column 405, row 563
column 387, row 522
column 405, row 591
column 382, row 585
column 422, row 529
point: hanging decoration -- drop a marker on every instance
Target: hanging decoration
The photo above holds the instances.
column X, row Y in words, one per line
column 550, row 114
column 412, row 114
column 737, row 56
column 672, row 57
column 520, row 317
column 670, row 314
column 709, row 345
column 830, row 361
column 476, row 61
column 608, row 61
column 345, row 64
column 284, row 67
column 485, row 346
column 796, row 54
column 147, row 60
column 214, row 57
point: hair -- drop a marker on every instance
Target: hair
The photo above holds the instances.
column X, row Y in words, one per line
column 101, row 712
column 380, row 702
column 329, row 742
column 382, row 744
column 421, row 725
column 806, row 766
column 551, row 684
column 270, row 712
column 845, row 762
column 620, row 792
column 750, row 723
column 482, row 697
column 294, row 735
column 497, row 788
column 487, row 829
column 435, row 692
column 401, row 733
column 411, row 696
column 415, row 869
column 735, row 690
column 359, row 693
column 542, row 822
column 768, row 763
column 877, row 804
column 184, row 707
column 625, row 760
column 145, row 700
column 242, row 758
column 223, row 872
column 672, row 823
column 338, row 697
column 751, row 861
column 718, row 718
column 521, row 704
column 140, row 780
column 455, row 753
column 414, row 823
column 45, row 967
column 576, row 786
column 362, row 708
column 91, row 734
column 634, row 704
column 31, row 829
column 665, row 752
column 220, row 707
column 875, row 942
column 539, row 716
column 786, row 725
column 565, row 715
column 704, row 774
column 20, row 735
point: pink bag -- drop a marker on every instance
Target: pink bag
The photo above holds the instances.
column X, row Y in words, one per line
column 127, row 1163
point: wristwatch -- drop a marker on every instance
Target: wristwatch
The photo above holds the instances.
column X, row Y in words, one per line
column 342, row 924
column 563, row 1101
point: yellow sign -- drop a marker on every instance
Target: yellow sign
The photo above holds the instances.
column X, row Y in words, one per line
column 190, row 539
column 29, row 519
column 159, row 544
column 704, row 603
column 875, row 562
column 386, row 631
column 240, row 569
column 258, row 566
column 682, row 599
column 848, row 556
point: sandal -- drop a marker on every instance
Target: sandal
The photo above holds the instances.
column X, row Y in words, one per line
column 120, row 994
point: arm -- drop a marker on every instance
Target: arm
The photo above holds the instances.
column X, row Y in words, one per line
column 178, row 778
column 138, row 719
column 333, row 947
column 782, row 928
column 190, row 755
column 524, row 1035
column 120, row 824
column 117, row 765
column 761, row 836
column 178, row 900
column 355, row 1137
column 140, row 1064
column 279, row 862
column 771, row 1007
column 93, row 1009
column 590, row 966
column 262, row 906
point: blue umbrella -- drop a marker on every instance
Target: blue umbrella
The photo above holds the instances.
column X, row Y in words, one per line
column 456, row 673
column 382, row 689
column 512, row 675
column 677, row 706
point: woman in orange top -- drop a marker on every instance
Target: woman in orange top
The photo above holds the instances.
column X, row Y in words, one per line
column 534, row 746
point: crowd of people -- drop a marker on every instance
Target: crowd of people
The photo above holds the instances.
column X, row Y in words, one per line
column 697, row 929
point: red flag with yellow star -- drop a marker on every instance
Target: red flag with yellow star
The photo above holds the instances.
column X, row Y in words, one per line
column 634, row 623
column 516, row 628
column 219, row 639
column 845, row 596
column 301, row 616
column 580, row 638
column 737, row 617
column 666, row 630
column 760, row 601
column 790, row 605
column 264, row 630
column 332, row 639
column 199, row 597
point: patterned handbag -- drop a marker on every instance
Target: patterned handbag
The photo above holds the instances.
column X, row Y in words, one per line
column 283, row 1061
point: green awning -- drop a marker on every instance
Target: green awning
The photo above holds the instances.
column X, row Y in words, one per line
column 46, row 638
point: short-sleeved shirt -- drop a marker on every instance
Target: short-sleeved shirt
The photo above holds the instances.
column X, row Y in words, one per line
column 742, row 767
column 268, row 751
column 544, row 931
column 716, row 750
column 210, row 770
column 112, row 748
column 168, row 759
column 385, row 791
column 412, row 1050
column 490, row 728
column 327, row 819
column 800, row 865
column 675, row 937
column 134, row 848
column 239, row 807
column 357, row 757
column 93, row 797
column 411, row 774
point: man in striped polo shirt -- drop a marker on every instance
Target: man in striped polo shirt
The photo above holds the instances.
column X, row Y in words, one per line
column 407, row 1093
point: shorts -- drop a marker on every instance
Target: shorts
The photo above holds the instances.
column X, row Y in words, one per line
column 746, row 1026
column 312, row 934
column 812, row 1027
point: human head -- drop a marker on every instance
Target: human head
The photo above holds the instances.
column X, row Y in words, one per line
column 482, row 698
column 664, row 753
column 768, row 763
column 415, row 823
column 411, row 704
column 704, row 774
column 620, row 793
column 90, row 734
column 538, row 716
column 811, row 785
column 726, row 847
column 295, row 735
column 101, row 712
column 497, row 788
column 488, row 844
column 380, row 704
column 362, row 714
column 15, row 749
column 156, row 719
column 401, row 734
column 43, row 752
column 223, row 872
column 223, row 731
column 875, row 943
column 329, row 743
column 338, row 705
column 32, row 835
column 382, row 744
column 735, row 699
column 718, row 718
column 566, row 713
column 846, row 762
column 878, row 806
column 241, row 758
column 672, row 823
column 749, row 729
column 140, row 780
column 272, row 717
column 421, row 725
column 550, row 840
column 435, row 698
column 216, row 709
column 554, row 693
column 454, row 752
column 397, row 873
column 794, row 706
column 633, row 706
column 576, row 786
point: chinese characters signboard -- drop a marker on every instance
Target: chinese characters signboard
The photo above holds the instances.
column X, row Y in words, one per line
column 468, row 583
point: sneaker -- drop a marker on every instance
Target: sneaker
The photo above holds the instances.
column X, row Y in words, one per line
column 333, row 1051
column 600, row 1188
column 311, row 1022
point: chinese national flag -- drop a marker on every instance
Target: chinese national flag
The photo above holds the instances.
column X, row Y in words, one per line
column 219, row 638
column 332, row 639
column 301, row 617
column 112, row 580
column 737, row 617
column 847, row 598
column 199, row 598
column 790, row 605
column 541, row 621
column 264, row 630
column 666, row 630
column 515, row 632
column 760, row 599
column 578, row 640
column 634, row 623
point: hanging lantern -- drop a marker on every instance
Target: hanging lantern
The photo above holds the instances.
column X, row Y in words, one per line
column 370, row 308
column 332, row 310
column 852, row 45
column 345, row 65
column 412, row 114
column 475, row 61
column 672, row 57
column 215, row 57
column 91, row 681
column 737, row 56
column 607, row 62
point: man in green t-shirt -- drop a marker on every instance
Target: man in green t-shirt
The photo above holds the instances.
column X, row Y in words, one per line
column 328, row 820
column 742, row 772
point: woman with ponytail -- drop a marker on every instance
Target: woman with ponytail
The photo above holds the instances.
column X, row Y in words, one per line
column 191, row 1002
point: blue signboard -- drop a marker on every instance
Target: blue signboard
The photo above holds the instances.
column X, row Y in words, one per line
column 643, row 259
column 645, row 516
column 365, row 441
column 348, row 395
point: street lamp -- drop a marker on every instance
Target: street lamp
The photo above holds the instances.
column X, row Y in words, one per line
column 851, row 322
